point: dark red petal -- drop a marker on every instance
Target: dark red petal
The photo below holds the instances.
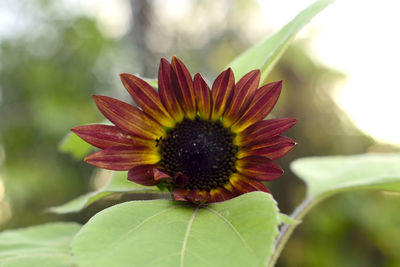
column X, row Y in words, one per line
column 243, row 94
column 243, row 184
column 180, row 194
column 166, row 91
column 261, row 105
column 147, row 98
column 260, row 168
column 143, row 174
column 123, row 158
column 195, row 196
column 220, row 194
column 273, row 148
column 128, row 118
column 185, row 84
column 160, row 175
column 198, row 196
column 203, row 97
column 263, row 130
column 221, row 93
column 104, row 136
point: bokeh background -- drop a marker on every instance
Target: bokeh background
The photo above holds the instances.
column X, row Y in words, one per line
column 339, row 82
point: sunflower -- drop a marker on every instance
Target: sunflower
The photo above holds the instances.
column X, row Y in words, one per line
column 205, row 145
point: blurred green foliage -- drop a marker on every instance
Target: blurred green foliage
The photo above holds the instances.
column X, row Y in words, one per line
column 49, row 70
column 47, row 78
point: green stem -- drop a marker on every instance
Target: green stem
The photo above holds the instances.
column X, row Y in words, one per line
column 287, row 229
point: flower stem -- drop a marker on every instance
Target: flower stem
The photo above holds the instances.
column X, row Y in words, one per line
column 287, row 229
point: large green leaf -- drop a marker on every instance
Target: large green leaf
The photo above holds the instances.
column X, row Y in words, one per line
column 265, row 54
column 118, row 184
column 238, row 232
column 328, row 175
column 43, row 245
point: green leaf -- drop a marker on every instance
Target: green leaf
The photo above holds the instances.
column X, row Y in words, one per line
column 238, row 232
column 75, row 146
column 43, row 245
column 118, row 184
column 325, row 176
column 265, row 54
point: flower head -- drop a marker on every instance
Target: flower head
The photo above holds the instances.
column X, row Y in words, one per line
column 208, row 145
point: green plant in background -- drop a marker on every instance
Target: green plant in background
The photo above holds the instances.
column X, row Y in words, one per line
column 246, row 230
column 40, row 91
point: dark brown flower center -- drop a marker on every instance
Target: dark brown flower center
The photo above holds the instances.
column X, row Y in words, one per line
column 202, row 150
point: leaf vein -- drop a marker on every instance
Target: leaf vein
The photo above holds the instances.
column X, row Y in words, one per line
column 187, row 236
column 149, row 218
column 114, row 245
column 233, row 228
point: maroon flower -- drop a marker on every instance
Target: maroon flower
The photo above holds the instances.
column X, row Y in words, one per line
column 209, row 145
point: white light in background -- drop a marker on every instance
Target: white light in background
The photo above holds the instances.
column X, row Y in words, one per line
column 362, row 39
column 359, row 38
column 113, row 16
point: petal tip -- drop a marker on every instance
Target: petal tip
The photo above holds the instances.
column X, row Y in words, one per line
column 87, row 159
column 255, row 72
column 291, row 122
column 274, row 85
column 99, row 98
column 74, row 129
column 78, row 129
column 197, row 76
column 164, row 61
column 125, row 75
column 175, row 59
